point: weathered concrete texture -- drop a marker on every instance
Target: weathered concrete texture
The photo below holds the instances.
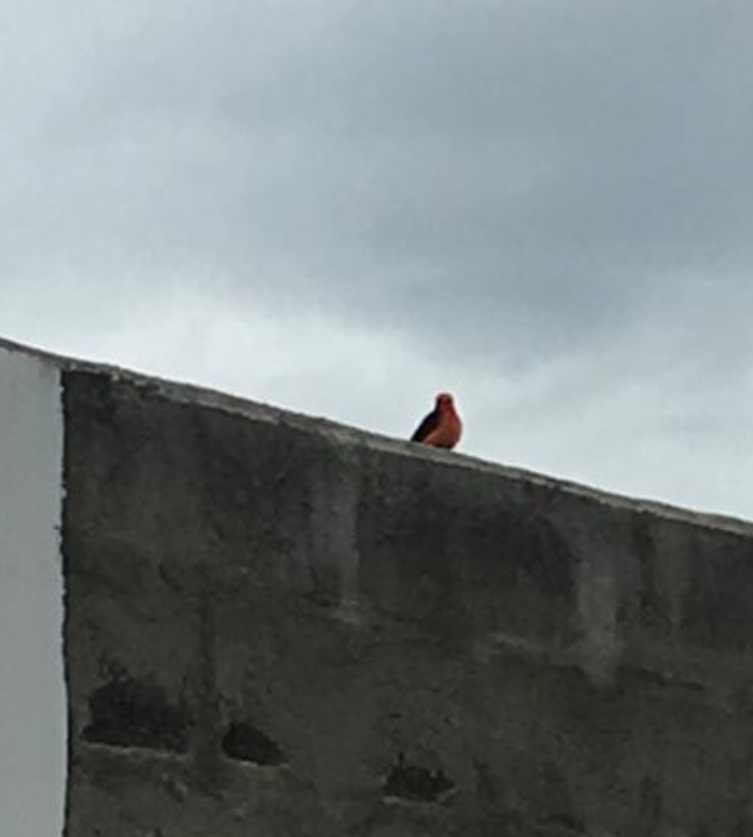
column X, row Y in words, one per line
column 281, row 627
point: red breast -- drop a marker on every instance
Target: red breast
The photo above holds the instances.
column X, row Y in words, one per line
column 450, row 428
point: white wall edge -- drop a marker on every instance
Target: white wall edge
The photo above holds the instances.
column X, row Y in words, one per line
column 33, row 721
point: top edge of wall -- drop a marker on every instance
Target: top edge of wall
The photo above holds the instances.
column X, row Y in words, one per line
column 344, row 434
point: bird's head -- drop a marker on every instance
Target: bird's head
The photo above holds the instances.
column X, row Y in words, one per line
column 444, row 401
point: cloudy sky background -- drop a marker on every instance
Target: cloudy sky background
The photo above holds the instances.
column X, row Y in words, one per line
column 342, row 206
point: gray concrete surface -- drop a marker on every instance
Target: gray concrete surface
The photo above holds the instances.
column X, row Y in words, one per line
column 281, row 627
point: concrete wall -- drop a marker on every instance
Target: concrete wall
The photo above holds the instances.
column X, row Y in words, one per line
column 282, row 627
column 277, row 626
column 33, row 719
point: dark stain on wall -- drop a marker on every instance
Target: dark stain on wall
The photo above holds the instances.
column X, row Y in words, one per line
column 413, row 783
column 126, row 712
column 245, row 742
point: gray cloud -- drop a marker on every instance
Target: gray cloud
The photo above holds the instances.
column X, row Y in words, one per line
column 543, row 205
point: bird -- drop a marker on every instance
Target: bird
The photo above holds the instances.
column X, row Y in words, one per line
column 442, row 428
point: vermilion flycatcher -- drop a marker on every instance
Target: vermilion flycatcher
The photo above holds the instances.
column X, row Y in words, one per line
column 442, row 428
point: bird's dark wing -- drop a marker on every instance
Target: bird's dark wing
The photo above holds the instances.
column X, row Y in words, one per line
column 427, row 425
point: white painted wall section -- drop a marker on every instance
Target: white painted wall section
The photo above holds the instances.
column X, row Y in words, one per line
column 32, row 688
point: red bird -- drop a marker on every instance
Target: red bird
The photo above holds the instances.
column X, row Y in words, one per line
column 442, row 428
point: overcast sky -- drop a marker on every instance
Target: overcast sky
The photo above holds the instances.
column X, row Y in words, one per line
column 343, row 206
